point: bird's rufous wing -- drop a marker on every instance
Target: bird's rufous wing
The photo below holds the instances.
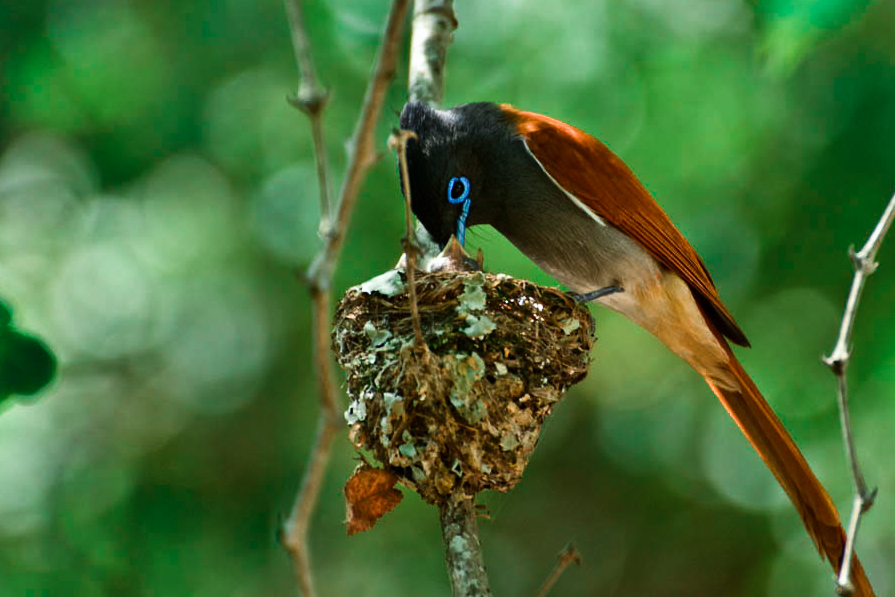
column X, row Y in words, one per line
column 587, row 169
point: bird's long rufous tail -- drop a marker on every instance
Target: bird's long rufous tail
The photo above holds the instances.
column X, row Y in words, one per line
column 766, row 433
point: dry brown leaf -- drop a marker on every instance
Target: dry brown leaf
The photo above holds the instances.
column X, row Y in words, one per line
column 369, row 494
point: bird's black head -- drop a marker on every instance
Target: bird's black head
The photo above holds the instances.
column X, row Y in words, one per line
column 456, row 164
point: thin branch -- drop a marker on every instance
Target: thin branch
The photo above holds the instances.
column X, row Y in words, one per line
column 462, row 549
column 295, row 530
column 398, row 140
column 311, row 99
column 865, row 264
column 566, row 557
column 363, row 152
column 433, row 25
column 309, row 86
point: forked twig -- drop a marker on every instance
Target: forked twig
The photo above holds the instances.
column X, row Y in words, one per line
column 311, row 99
column 865, row 264
column 433, row 26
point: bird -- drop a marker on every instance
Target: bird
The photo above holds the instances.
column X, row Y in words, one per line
column 572, row 206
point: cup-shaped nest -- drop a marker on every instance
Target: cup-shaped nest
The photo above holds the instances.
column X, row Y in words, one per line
column 464, row 413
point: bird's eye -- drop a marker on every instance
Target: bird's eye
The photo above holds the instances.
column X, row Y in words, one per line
column 458, row 189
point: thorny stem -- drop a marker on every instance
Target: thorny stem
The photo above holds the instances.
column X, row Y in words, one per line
column 311, row 99
column 865, row 264
column 295, row 529
column 322, row 177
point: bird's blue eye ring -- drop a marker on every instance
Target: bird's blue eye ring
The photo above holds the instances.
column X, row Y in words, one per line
column 462, row 180
column 465, row 200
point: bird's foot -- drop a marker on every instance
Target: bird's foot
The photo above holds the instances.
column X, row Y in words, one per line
column 595, row 294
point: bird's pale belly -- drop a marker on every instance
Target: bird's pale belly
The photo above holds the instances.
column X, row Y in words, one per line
column 591, row 256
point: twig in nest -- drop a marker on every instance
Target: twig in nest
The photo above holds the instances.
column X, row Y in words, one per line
column 865, row 264
column 398, row 141
column 568, row 555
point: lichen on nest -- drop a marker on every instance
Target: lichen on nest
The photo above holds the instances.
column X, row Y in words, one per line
column 464, row 414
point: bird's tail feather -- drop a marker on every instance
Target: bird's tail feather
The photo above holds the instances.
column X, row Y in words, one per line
column 769, row 437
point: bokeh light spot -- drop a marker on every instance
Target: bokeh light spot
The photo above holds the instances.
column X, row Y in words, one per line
column 102, row 301
column 250, row 129
column 803, row 328
column 43, row 182
column 111, row 58
column 27, row 438
column 191, row 215
column 286, row 214
column 735, row 470
column 221, row 347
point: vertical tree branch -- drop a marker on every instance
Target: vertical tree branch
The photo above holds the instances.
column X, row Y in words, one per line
column 311, row 99
column 462, row 549
column 865, row 264
column 433, row 28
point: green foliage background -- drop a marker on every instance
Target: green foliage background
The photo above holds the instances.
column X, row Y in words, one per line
column 157, row 195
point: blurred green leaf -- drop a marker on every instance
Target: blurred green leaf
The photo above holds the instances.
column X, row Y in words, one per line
column 795, row 27
column 26, row 364
column 5, row 315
